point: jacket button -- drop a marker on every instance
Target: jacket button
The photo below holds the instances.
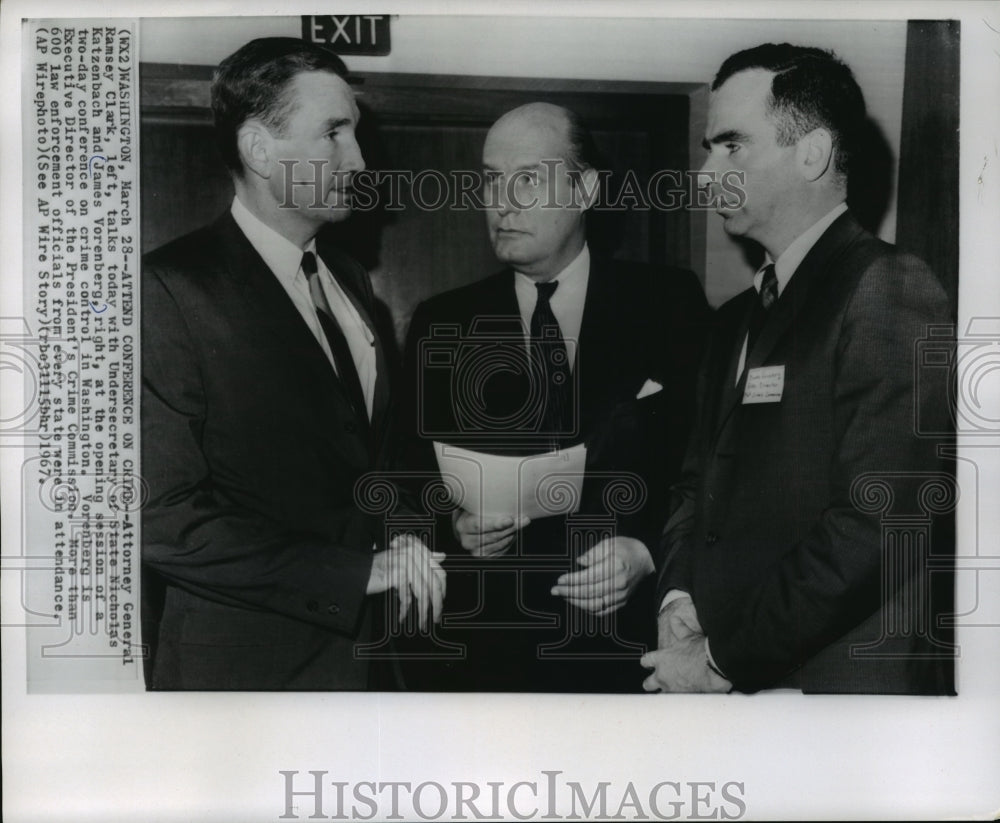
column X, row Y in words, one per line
column 333, row 608
column 350, row 427
column 711, row 539
column 312, row 605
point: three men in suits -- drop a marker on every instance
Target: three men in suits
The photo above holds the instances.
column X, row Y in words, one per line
column 265, row 398
column 559, row 348
column 786, row 564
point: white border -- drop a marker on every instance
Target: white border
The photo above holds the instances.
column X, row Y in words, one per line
column 166, row 757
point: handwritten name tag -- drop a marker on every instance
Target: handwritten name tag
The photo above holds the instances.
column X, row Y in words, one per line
column 764, row 385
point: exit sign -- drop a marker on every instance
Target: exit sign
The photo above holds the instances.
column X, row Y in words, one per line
column 348, row 33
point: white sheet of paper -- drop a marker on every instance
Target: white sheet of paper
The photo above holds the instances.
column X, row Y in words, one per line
column 535, row 486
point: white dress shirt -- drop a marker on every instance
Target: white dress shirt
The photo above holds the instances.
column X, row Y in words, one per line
column 788, row 261
column 284, row 259
column 567, row 301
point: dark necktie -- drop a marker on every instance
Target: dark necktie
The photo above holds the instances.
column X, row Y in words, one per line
column 335, row 337
column 548, row 350
column 767, row 297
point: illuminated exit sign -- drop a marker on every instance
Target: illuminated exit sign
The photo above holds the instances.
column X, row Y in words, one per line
column 348, row 33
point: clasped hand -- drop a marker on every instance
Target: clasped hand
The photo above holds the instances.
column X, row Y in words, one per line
column 415, row 572
column 680, row 664
column 484, row 535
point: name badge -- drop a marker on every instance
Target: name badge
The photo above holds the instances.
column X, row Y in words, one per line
column 764, row 385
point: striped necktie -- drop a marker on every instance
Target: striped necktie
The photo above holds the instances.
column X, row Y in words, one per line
column 767, row 297
column 548, row 350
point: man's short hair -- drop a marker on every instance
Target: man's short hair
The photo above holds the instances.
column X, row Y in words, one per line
column 811, row 88
column 252, row 83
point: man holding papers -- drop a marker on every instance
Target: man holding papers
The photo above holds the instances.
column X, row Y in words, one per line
column 561, row 384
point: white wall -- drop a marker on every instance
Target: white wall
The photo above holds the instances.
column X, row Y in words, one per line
column 585, row 48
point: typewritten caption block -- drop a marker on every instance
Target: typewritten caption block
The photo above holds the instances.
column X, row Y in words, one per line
column 82, row 489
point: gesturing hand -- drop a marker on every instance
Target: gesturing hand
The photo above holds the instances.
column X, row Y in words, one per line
column 611, row 571
column 415, row 572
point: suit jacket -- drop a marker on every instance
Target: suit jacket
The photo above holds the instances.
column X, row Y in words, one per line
column 639, row 323
column 803, row 528
column 251, row 451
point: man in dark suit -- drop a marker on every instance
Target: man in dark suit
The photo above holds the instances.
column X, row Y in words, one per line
column 799, row 555
column 265, row 399
column 560, row 348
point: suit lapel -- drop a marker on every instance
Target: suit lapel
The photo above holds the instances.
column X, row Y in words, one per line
column 731, row 389
column 498, row 314
column 344, row 272
column 500, row 302
column 603, row 345
column 812, row 270
column 496, row 318
column 278, row 317
column 597, row 346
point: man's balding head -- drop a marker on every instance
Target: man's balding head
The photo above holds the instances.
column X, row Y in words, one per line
column 563, row 124
column 539, row 157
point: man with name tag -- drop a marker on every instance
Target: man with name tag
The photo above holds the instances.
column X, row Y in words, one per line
column 560, row 348
column 776, row 571
column 265, row 399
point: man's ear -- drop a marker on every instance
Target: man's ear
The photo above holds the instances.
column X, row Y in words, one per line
column 255, row 145
column 814, row 154
column 586, row 182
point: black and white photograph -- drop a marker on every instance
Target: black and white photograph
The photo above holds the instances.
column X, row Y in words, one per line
column 441, row 412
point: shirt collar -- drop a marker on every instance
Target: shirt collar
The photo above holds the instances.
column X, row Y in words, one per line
column 572, row 274
column 280, row 254
column 789, row 260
